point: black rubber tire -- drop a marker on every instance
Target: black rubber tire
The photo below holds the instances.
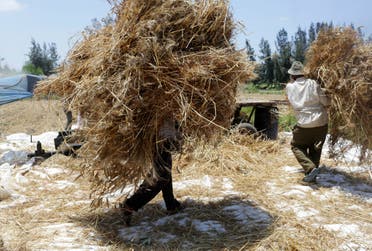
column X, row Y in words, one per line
column 266, row 122
column 246, row 128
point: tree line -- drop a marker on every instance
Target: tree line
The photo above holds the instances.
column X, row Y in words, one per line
column 273, row 65
column 42, row 60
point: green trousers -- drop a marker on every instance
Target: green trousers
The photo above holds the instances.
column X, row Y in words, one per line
column 307, row 144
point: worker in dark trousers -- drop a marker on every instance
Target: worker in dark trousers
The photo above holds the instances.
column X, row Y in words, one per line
column 310, row 104
column 160, row 179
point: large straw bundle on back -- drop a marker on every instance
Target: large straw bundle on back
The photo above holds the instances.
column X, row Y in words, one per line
column 342, row 63
column 161, row 58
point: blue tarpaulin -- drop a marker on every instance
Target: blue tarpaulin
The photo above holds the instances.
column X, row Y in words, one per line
column 17, row 87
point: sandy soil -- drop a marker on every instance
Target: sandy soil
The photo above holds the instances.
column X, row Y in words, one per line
column 31, row 116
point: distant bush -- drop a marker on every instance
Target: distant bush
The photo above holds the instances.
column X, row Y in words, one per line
column 287, row 122
column 264, row 88
column 32, row 69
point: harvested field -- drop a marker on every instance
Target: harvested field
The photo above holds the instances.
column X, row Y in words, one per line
column 165, row 58
column 239, row 195
column 31, row 116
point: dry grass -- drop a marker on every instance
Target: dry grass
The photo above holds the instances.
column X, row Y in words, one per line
column 159, row 60
column 46, row 205
column 259, row 185
column 342, row 63
column 31, row 116
column 56, row 212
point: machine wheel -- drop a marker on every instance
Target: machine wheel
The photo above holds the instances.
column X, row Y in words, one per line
column 246, row 128
column 266, row 122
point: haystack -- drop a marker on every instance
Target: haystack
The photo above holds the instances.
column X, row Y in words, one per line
column 342, row 63
column 160, row 58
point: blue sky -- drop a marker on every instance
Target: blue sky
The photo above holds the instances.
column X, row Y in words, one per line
column 61, row 21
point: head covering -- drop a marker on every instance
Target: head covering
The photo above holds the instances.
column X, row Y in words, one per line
column 297, row 68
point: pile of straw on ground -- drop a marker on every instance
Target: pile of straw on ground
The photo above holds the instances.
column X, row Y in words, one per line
column 342, row 63
column 160, row 58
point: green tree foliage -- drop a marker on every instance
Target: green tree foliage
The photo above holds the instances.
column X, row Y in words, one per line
column 361, row 34
column 32, row 69
column 42, row 58
column 250, row 51
column 283, row 47
column 369, row 39
column 299, row 45
column 365, row 37
column 266, row 73
column 274, row 66
column 312, row 33
column 323, row 25
column 277, row 72
column 53, row 55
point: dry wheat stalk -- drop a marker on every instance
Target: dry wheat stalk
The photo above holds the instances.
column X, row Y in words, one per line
column 159, row 59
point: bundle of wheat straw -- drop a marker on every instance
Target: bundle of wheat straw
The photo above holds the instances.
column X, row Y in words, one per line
column 342, row 63
column 159, row 59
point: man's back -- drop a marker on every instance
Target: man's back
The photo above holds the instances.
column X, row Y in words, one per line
column 308, row 102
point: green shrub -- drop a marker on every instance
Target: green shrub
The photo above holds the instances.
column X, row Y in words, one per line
column 286, row 122
column 32, row 69
column 251, row 88
column 264, row 88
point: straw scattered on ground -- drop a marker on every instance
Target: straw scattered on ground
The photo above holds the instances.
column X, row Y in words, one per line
column 240, row 194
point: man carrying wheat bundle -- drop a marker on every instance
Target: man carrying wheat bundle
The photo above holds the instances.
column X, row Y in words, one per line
column 310, row 106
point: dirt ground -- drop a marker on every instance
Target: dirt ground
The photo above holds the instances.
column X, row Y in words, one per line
column 241, row 194
column 31, row 116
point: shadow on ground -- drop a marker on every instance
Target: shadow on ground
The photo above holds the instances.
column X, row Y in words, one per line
column 347, row 182
column 231, row 223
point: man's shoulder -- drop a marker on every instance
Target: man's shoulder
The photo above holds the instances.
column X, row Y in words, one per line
column 288, row 86
column 311, row 81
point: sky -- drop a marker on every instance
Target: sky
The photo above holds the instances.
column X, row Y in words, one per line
column 62, row 21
